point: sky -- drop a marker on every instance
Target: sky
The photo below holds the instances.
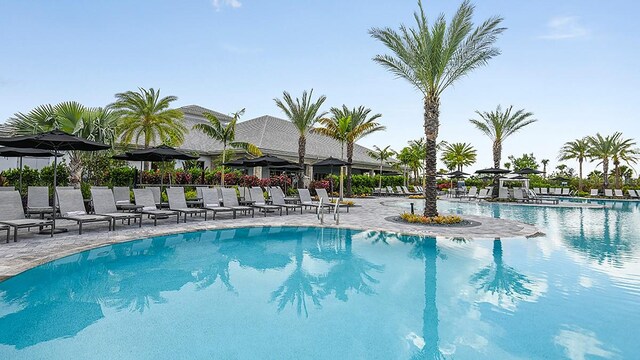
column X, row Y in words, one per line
column 573, row 63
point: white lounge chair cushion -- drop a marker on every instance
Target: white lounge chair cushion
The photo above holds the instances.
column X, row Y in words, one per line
column 74, row 213
column 123, row 202
column 149, row 208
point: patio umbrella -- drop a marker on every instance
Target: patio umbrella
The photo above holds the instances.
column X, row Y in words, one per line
column 457, row 174
column 56, row 140
column 236, row 163
column 160, row 153
column 266, row 160
column 493, row 171
column 331, row 162
column 560, row 179
column 24, row 152
column 528, row 171
column 287, row 168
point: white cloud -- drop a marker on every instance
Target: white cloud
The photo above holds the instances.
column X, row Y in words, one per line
column 563, row 28
column 217, row 4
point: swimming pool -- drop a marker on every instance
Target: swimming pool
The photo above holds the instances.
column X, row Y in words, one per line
column 306, row 292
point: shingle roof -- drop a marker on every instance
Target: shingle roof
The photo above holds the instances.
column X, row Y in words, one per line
column 197, row 110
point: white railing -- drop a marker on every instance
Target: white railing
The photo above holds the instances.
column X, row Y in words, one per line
column 320, row 212
column 336, row 212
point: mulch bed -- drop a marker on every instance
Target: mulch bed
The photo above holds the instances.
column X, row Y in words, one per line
column 463, row 224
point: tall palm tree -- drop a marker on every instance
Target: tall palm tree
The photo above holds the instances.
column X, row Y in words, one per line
column 432, row 57
column 458, row 155
column 145, row 115
column 336, row 127
column 498, row 125
column 303, row 113
column 361, row 125
column 226, row 134
column 577, row 150
column 624, row 151
column 418, row 147
column 381, row 155
column 544, row 162
column 602, row 148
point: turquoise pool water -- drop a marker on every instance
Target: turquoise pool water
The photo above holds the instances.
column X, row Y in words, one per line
column 299, row 293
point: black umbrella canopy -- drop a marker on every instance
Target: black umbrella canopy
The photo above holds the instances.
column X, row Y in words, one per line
column 57, row 140
column 124, row 156
column 331, row 161
column 290, row 167
column 519, row 177
column 159, row 153
column 236, row 162
column 25, row 152
column 528, row 171
column 493, row 171
column 266, row 160
column 457, row 174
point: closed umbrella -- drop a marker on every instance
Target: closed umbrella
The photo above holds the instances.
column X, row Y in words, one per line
column 25, row 152
column 56, row 140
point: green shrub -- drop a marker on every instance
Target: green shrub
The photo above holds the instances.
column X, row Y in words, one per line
column 121, row 176
column 46, row 175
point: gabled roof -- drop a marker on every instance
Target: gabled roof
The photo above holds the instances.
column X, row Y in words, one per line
column 197, row 110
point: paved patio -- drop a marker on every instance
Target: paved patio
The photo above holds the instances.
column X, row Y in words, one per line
column 33, row 249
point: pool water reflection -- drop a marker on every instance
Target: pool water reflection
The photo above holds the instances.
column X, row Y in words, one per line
column 326, row 293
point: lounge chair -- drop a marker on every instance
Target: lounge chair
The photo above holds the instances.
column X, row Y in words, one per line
column 230, row 200
column 244, row 193
column 260, row 203
column 157, row 196
column 536, row 191
column 633, row 194
column 618, row 193
column 177, row 202
column 211, row 202
column 104, row 203
column 7, row 188
column 38, row 201
column 483, row 194
column 277, row 197
column 594, row 192
column 322, row 193
column 534, row 197
column 72, row 208
column 144, row 197
column 503, row 194
column 306, row 201
column 406, row 190
column 565, row 192
column 544, row 191
column 608, row 193
column 472, row 194
column 12, row 215
column 518, row 195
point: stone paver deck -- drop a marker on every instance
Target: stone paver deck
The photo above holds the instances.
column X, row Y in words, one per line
column 32, row 249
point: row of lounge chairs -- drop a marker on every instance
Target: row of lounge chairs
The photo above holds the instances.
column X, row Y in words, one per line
column 553, row 191
column 399, row 191
column 616, row 193
column 70, row 204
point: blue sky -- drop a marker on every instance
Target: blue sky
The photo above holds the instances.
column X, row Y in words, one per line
column 572, row 63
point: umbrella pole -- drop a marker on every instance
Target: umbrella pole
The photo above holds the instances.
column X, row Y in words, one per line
column 55, row 184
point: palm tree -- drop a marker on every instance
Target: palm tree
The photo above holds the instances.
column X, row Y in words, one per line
column 544, row 162
column 303, row 114
column 458, row 155
column 97, row 124
column 432, row 58
column 577, row 150
column 419, row 149
column 361, row 125
column 226, row 135
column 336, row 128
column 623, row 151
column 144, row 114
column 498, row 125
column 381, row 155
column 602, row 149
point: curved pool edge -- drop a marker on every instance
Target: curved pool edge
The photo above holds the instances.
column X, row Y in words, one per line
column 37, row 250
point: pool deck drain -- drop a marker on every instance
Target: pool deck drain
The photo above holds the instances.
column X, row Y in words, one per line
column 32, row 250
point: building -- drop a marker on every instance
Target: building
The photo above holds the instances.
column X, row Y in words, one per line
column 273, row 136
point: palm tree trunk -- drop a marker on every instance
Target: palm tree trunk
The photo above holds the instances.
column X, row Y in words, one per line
column 349, row 160
column 302, row 149
column 380, row 179
column 75, row 168
column 605, row 175
column 580, row 174
column 497, row 156
column 224, row 154
column 431, row 124
column 616, row 165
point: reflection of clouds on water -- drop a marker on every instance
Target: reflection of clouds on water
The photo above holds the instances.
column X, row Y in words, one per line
column 581, row 344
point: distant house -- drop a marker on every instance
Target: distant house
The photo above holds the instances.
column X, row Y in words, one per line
column 273, row 136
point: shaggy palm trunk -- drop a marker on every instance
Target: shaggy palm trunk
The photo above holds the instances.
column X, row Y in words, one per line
column 75, row 168
column 497, row 156
column 302, row 149
column 380, row 179
column 349, row 160
column 605, row 173
column 431, row 124
column 616, row 167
